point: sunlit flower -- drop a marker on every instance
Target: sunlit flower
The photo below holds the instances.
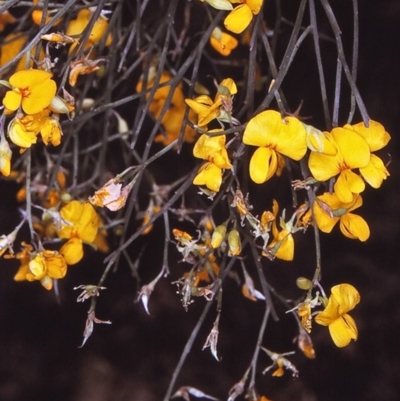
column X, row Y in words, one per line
column 33, row 90
column 78, row 25
column 317, row 141
column 37, row 15
column 352, row 152
column 24, row 257
column 377, row 138
column 241, row 16
column 5, row 19
column 329, row 209
column 220, row 108
column 342, row 327
column 282, row 244
column 172, row 123
column 80, row 224
column 46, row 266
column 213, row 150
column 273, row 136
column 19, row 135
column 82, row 221
column 222, row 42
column 13, row 44
column 51, row 131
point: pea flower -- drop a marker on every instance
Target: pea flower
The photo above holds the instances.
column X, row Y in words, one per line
column 241, row 16
column 6, row 18
column 46, row 266
column 352, row 152
column 329, row 209
column 219, row 108
column 213, row 150
column 32, row 89
column 376, row 137
column 273, row 136
column 222, row 42
column 13, row 44
column 78, row 25
column 81, row 224
column 342, row 327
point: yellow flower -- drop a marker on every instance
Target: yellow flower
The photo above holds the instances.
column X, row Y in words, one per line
column 377, row 138
column 208, row 110
column 213, row 150
column 38, row 14
column 209, row 175
column 19, row 135
column 342, row 327
column 33, row 90
column 81, row 219
column 222, row 42
column 240, row 17
column 172, row 123
column 72, row 251
column 282, row 245
column 46, row 266
column 5, row 19
column 78, row 25
column 13, row 43
column 24, row 258
column 329, row 209
column 352, row 152
column 51, row 131
column 273, row 135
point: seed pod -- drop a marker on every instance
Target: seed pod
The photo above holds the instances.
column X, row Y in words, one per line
column 304, row 283
column 235, row 246
column 218, row 236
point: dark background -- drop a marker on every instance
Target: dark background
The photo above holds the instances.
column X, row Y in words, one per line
column 134, row 357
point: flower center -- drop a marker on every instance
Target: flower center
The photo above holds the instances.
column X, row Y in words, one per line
column 25, row 92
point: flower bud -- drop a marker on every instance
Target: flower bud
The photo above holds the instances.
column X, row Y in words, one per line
column 304, row 283
column 235, row 246
column 218, row 236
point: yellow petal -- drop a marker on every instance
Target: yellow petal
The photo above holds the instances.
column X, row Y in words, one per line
column 347, row 297
column 262, row 129
column 255, row 5
column 343, row 330
column 238, row 19
column 292, row 139
column 354, row 227
column 56, row 265
column 347, row 184
column 353, row 148
column 375, row 172
column 324, row 221
column 72, row 251
column 375, row 134
column 322, row 166
column 12, row 99
column 19, row 135
column 263, row 165
column 209, row 175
